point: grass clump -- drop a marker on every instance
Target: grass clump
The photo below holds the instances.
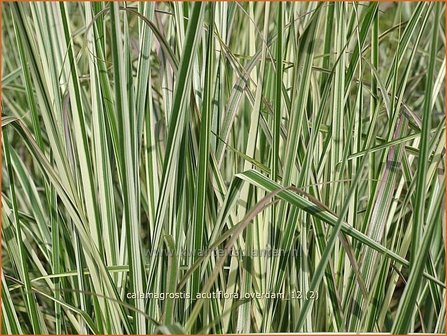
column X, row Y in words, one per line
column 223, row 167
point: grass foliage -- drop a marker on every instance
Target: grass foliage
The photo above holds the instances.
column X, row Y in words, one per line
column 227, row 152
